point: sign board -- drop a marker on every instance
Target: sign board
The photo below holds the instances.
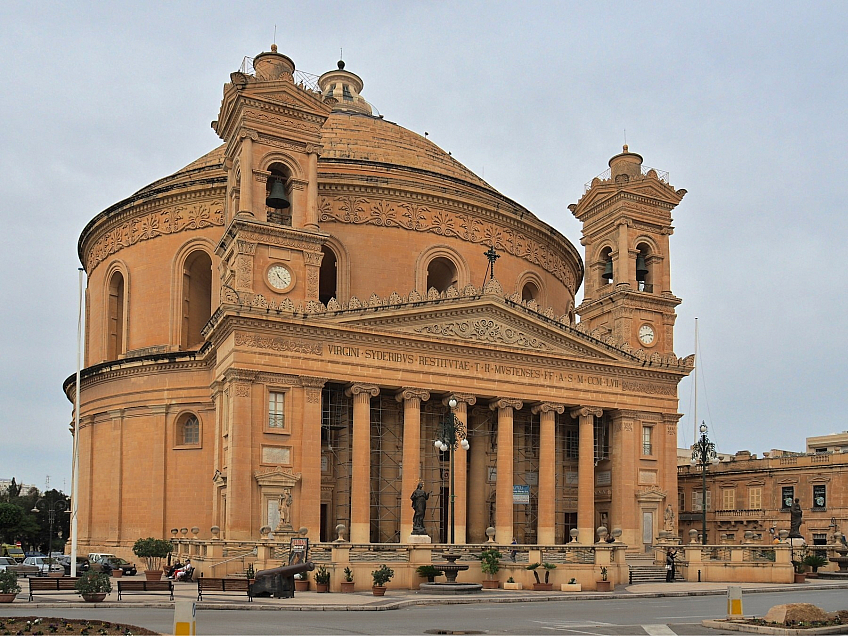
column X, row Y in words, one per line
column 520, row 494
column 298, row 550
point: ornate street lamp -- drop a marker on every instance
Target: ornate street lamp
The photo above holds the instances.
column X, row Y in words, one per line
column 704, row 454
column 451, row 436
column 52, row 509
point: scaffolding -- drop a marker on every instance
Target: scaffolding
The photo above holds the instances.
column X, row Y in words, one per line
column 386, row 468
column 336, row 425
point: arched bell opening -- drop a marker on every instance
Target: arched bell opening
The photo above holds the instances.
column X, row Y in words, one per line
column 196, row 298
column 278, row 196
column 606, row 272
column 328, row 277
column 115, row 313
column 644, row 277
column 441, row 274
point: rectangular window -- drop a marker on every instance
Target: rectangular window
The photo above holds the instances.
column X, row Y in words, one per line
column 681, row 500
column 696, row 501
column 276, row 408
column 787, row 496
column 755, row 498
column 819, row 496
column 647, row 434
column 728, row 499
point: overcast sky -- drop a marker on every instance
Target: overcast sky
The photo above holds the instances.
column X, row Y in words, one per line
column 743, row 103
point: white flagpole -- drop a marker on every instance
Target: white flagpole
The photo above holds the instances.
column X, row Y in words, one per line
column 695, row 380
column 75, row 464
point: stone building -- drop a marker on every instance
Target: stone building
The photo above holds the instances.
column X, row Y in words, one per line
column 274, row 331
column 746, row 493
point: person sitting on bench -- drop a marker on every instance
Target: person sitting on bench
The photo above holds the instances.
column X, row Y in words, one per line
column 185, row 573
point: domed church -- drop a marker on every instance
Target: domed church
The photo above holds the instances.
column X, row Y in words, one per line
column 300, row 327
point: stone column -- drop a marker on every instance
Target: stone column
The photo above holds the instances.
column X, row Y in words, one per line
column 411, row 399
column 503, row 495
column 625, row 268
column 246, row 167
column 668, row 472
column 546, row 530
column 624, row 453
column 586, row 473
column 460, row 468
column 312, row 191
column 477, row 519
column 360, row 477
column 310, row 466
column 240, row 520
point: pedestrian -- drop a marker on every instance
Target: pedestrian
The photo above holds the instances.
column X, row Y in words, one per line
column 669, row 565
column 513, row 552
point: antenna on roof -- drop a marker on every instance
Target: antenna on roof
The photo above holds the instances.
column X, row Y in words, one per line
column 625, row 136
column 275, row 34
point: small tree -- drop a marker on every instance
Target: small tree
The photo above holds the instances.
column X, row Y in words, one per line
column 429, row 572
column 382, row 575
column 490, row 561
column 322, row 576
column 9, row 582
column 152, row 551
column 532, row 567
column 548, row 567
column 348, row 575
column 93, row 583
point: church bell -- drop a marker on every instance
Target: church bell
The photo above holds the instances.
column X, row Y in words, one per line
column 607, row 270
column 641, row 268
column 277, row 197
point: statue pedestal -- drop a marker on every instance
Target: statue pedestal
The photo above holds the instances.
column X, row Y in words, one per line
column 419, row 538
column 796, row 542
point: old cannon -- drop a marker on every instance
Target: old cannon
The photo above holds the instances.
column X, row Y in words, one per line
column 279, row 582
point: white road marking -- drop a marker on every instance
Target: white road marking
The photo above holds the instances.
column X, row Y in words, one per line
column 658, row 630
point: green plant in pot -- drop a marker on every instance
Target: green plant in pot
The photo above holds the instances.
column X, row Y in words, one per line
column 348, row 575
column 548, row 567
column 152, row 551
column 490, row 564
column 381, row 576
column 322, row 579
column 9, row 586
column 93, row 586
column 532, row 567
column 250, row 572
column 429, row 572
column 814, row 561
column 603, row 574
column 347, row 584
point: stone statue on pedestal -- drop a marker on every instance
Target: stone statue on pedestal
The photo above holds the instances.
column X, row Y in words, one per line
column 795, row 520
column 668, row 516
column 419, row 504
column 284, row 508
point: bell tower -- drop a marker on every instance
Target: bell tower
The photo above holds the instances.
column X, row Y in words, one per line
column 272, row 131
column 626, row 217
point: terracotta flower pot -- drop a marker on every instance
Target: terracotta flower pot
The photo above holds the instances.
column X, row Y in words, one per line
column 153, row 575
column 7, row 598
column 379, row 590
column 117, row 573
column 301, row 585
column 322, row 587
column 490, row 585
column 604, row 586
column 543, row 587
column 800, row 578
column 348, row 587
column 94, row 598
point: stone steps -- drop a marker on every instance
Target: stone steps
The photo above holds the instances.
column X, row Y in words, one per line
column 649, row 573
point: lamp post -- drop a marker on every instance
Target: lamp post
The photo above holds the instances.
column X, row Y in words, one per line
column 52, row 509
column 451, row 436
column 704, row 454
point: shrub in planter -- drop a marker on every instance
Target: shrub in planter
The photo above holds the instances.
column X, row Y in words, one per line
column 429, row 572
column 814, row 561
column 9, row 586
column 93, row 583
column 347, row 584
column 381, row 576
column 152, row 551
column 322, row 579
column 490, row 563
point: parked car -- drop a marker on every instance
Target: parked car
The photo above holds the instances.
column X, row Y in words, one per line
column 35, row 554
column 109, row 563
column 83, row 564
column 44, row 565
column 8, row 563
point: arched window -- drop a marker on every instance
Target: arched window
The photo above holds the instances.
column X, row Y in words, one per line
column 606, row 269
column 644, row 275
column 115, row 313
column 188, row 431
column 441, row 274
column 277, row 193
column 328, row 280
column 530, row 291
column 196, row 298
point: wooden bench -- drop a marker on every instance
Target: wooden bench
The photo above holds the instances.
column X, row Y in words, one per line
column 150, row 587
column 64, row 584
column 222, row 586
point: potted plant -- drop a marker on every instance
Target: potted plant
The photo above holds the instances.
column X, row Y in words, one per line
column 571, row 586
column 490, row 563
column 800, row 577
column 538, row 586
column 381, row 576
column 322, row 579
column 510, row 584
column 250, row 573
column 814, row 562
column 9, row 586
column 301, row 583
column 347, row 584
column 152, row 551
column 604, row 585
column 429, row 572
column 93, row 586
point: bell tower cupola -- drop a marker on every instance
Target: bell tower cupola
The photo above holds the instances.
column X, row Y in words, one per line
column 626, row 217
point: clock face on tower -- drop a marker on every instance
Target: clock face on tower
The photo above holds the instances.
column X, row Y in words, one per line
column 646, row 334
column 279, row 277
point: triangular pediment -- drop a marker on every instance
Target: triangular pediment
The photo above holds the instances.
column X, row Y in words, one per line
column 488, row 322
column 289, row 95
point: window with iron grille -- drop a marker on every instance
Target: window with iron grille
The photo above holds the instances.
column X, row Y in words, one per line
column 572, row 444
column 647, row 435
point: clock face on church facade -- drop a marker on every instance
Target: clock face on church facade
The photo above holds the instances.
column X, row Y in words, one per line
column 646, row 334
column 280, row 277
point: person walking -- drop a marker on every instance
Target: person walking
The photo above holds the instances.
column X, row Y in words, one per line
column 513, row 552
column 670, row 568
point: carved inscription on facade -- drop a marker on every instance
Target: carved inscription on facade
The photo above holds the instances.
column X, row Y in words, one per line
column 167, row 221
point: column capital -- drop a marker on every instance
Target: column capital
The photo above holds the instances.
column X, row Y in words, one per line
column 585, row 411
column 671, row 418
column 547, row 407
column 505, row 403
column 411, row 393
column 466, row 398
column 357, row 388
